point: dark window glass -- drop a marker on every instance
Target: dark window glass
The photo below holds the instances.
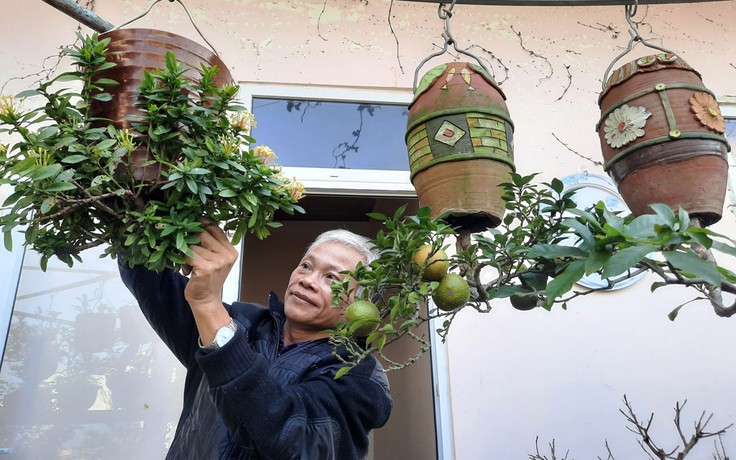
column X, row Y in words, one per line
column 325, row 134
column 731, row 132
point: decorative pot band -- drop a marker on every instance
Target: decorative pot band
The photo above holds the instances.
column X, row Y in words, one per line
column 461, row 136
column 461, row 157
column 661, row 89
column 690, row 145
column 497, row 112
column 645, row 65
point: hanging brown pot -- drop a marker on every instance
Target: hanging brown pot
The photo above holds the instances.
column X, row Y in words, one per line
column 134, row 51
column 460, row 142
column 662, row 136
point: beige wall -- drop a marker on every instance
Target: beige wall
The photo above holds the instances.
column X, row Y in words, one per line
column 514, row 375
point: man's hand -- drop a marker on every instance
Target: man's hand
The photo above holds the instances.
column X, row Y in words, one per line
column 212, row 261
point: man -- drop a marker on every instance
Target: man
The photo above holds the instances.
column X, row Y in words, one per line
column 260, row 382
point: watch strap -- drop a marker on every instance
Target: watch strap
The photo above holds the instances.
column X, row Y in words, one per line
column 214, row 345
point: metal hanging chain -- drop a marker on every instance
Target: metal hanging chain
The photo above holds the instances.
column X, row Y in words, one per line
column 630, row 11
column 445, row 14
column 188, row 15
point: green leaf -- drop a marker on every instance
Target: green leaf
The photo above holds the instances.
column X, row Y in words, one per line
column 724, row 248
column 59, row 187
column 580, row 230
column 168, row 230
column 13, row 198
column 67, row 77
column 191, row 184
column 155, row 257
column 552, row 251
column 44, row 172
column 27, row 93
column 691, row 263
column 180, row 243
column 643, row 226
column 47, row 132
column 106, row 82
column 684, row 219
column 104, row 97
column 8, row 240
column 106, row 144
column 71, row 159
column 656, row 285
column 700, row 236
column 625, row 259
column 596, row 260
column 673, row 314
column 342, row 371
column 46, row 205
column 227, row 193
column 563, row 282
column 381, row 342
column 665, row 212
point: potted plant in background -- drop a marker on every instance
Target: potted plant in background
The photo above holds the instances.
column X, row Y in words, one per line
column 74, row 185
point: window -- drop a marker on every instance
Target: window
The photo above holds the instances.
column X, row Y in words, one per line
column 728, row 108
column 338, row 141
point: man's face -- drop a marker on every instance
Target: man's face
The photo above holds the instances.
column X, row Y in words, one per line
column 308, row 299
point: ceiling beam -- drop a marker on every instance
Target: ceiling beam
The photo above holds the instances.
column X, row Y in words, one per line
column 561, row 2
column 81, row 14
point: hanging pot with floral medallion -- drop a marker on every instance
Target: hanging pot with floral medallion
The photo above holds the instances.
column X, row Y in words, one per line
column 662, row 136
column 460, row 142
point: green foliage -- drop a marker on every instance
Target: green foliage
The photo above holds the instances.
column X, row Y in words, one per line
column 543, row 247
column 74, row 187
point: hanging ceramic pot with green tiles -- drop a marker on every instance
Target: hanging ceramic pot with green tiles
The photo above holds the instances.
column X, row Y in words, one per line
column 663, row 137
column 460, row 142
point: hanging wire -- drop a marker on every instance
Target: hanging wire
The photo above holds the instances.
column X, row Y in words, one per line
column 185, row 9
column 445, row 14
column 630, row 11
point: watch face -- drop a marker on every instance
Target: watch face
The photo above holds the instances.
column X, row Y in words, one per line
column 223, row 336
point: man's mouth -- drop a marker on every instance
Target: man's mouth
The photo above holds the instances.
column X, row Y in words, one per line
column 303, row 298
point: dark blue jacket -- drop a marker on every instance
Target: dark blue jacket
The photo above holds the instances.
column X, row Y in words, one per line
column 253, row 399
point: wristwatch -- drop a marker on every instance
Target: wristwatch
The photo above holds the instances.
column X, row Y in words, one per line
column 222, row 336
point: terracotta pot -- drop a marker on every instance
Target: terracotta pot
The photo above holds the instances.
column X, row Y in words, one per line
column 136, row 50
column 460, row 141
column 662, row 137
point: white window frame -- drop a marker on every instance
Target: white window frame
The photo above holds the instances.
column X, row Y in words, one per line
column 334, row 181
column 728, row 110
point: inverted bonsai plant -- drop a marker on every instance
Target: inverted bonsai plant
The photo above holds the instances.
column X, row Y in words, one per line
column 543, row 247
column 74, row 188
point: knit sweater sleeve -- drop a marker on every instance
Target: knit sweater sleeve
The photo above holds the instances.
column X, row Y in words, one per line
column 319, row 417
column 160, row 296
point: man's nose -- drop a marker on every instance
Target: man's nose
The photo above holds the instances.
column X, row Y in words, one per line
column 310, row 280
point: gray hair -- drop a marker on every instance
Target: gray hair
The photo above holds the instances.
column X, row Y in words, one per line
column 349, row 239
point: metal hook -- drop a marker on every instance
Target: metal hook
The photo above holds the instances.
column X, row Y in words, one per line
column 188, row 15
column 635, row 36
column 445, row 13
